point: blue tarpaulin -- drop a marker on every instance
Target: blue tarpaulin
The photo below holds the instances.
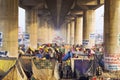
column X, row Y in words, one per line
column 83, row 66
column 68, row 55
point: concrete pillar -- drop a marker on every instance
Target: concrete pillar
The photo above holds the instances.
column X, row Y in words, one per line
column 79, row 30
column 89, row 28
column 9, row 26
column 72, row 27
column 28, row 20
column 68, row 33
column 63, row 32
column 112, row 34
column 50, row 31
column 46, row 32
column 39, row 31
column 32, row 27
column 53, row 31
column 43, row 30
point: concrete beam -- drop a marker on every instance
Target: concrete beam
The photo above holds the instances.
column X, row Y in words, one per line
column 86, row 2
column 74, row 12
column 43, row 12
column 70, row 18
column 101, row 1
column 28, row 2
column 40, row 5
column 31, row 3
column 89, row 4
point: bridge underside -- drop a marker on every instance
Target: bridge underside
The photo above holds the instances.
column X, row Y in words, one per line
column 59, row 10
column 65, row 21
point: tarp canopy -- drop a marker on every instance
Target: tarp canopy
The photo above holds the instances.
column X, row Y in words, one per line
column 43, row 69
column 12, row 70
column 6, row 64
column 39, row 69
column 67, row 56
column 84, row 67
column 26, row 64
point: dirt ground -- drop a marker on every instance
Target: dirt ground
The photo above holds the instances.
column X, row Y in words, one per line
column 114, row 75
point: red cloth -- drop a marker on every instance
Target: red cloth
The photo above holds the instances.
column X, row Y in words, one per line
column 94, row 78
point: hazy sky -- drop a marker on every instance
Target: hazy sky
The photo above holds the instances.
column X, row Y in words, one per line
column 22, row 18
column 98, row 24
column 99, row 14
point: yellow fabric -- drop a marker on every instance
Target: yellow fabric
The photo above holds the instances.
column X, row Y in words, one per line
column 5, row 65
column 16, row 73
column 46, row 49
column 68, row 62
column 40, row 47
column 11, row 75
column 10, row 69
column 31, row 48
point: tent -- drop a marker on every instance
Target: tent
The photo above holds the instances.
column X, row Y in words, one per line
column 43, row 69
column 26, row 64
column 86, row 66
column 10, row 69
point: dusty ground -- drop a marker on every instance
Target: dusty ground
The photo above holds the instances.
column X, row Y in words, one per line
column 111, row 75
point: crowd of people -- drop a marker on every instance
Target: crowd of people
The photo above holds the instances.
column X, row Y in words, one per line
column 50, row 51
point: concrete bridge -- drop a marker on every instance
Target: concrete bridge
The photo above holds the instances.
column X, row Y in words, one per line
column 72, row 19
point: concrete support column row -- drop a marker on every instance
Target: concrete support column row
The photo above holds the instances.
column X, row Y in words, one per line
column 9, row 26
column 74, row 31
column 82, row 30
